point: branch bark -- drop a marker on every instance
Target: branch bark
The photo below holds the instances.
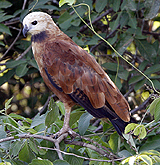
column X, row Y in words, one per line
column 90, row 159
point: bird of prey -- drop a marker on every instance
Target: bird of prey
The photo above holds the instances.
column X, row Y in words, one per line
column 73, row 74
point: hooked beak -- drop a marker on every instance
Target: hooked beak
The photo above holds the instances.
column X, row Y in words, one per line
column 25, row 30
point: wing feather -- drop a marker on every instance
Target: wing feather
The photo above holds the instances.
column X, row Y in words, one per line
column 73, row 68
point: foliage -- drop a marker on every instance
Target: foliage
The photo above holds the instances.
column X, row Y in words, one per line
column 132, row 28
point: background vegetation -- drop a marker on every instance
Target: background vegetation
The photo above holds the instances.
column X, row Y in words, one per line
column 30, row 112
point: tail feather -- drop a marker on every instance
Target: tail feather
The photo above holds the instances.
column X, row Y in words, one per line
column 119, row 125
column 104, row 112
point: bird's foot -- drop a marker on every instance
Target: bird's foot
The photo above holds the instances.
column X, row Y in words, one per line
column 64, row 130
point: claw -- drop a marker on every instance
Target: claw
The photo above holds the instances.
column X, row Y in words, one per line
column 64, row 130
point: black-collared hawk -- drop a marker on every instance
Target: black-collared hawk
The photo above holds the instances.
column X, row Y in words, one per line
column 73, row 74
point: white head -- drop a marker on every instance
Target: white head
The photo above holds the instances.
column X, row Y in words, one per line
column 37, row 22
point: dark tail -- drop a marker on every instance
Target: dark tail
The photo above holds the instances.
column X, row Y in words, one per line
column 119, row 125
column 104, row 112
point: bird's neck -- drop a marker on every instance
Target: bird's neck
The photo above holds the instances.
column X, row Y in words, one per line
column 39, row 37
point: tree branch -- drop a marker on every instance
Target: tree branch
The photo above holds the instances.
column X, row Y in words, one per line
column 101, row 150
column 90, row 159
column 142, row 106
column 24, row 53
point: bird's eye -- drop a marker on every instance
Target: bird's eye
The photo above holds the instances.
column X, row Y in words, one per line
column 34, row 23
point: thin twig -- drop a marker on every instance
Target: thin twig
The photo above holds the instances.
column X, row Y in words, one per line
column 131, row 89
column 10, row 47
column 3, row 70
column 46, row 103
column 142, row 106
column 108, row 36
column 153, row 128
column 97, row 19
column 97, row 144
column 24, row 53
column 87, row 145
column 90, row 159
column 24, row 4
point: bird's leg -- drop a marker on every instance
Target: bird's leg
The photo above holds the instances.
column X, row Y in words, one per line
column 66, row 128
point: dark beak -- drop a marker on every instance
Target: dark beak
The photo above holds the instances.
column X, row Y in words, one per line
column 25, row 30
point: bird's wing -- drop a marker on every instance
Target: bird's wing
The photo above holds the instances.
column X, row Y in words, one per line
column 72, row 70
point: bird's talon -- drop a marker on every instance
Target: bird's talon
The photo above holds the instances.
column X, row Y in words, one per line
column 70, row 132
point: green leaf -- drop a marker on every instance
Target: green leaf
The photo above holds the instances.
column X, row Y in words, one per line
column 151, row 144
column 157, row 112
column 113, row 142
column 69, row 2
column 40, row 162
column 116, row 5
column 130, row 127
column 153, row 69
column 139, row 84
column 136, row 32
column 38, row 120
column 3, row 134
column 130, row 140
column 123, row 43
column 153, row 8
column 72, row 160
column 146, row 49
column 4, row 18
column 53, row 114
column 65, row 20
column 124, row 19
column 5, row 4
column 150, row 152
column 7, row 103
column 100, row 5
column 61, row 107
column 33, row 146
column 21, row 70
column 12, row 64
column 15, row 148
column 5, row 29
column 140, row 131
column 112, row 66
column 60, row 162
column 5, row 163
column 33, row 63
column 84, row 122
column 74, row 117
column 123, row 74
column 124, row 153
column 145, row 159
column 132, row 22
column 135, row 79
column 26, row 154
column 76, row 22
column 131, row 5
column 114, row 24
column 153, row 105
column 19, row 117
column 1, row 43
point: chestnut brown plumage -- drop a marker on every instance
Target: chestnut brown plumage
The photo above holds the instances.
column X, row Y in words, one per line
column 73, row 74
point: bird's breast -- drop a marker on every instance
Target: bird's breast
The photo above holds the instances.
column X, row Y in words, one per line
column 38, row 52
